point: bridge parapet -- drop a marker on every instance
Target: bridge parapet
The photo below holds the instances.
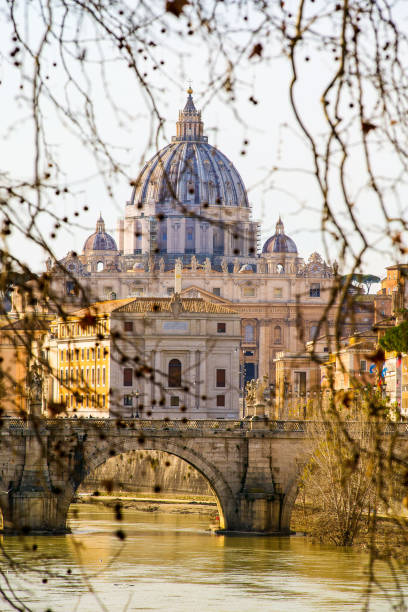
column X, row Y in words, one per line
column 182, row 425
column 14, row 424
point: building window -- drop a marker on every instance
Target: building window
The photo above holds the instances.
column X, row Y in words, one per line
column 98, row 353
column 277, row 335
column 221, row 328
column 277, row 292
column 93, row 376
column 98, row 377
column 61, row 377
column 128, row 326
column 71, row 288
column 363, row 365
column 174, row 400
column 113, row 296
column 300, row 383
column 248, row 291
column 99, row 266
column 103, row 376
column 87, row 354
column 174, row 373
column 216, row 291
column 220, row 377
column 314, row 290
column 82, row 354
column 249, row 335
column 127, row 377
column 103, row 401
column 127, row 400
column 170, row 290
column 220, row 401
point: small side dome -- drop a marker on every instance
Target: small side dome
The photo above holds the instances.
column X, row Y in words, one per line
column 100, row 240
column 279, row 242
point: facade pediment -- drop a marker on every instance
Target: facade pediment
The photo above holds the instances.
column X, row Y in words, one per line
column 197, row 292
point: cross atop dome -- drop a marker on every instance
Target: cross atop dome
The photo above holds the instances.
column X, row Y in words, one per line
column 279, row 226
column 189, row 125
column 100, row 225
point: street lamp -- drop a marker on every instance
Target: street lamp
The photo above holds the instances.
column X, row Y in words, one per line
column 136, row 395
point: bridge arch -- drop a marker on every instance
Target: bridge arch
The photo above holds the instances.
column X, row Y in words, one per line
column 224, row 496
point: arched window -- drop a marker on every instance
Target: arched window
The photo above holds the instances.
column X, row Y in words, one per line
column 280, row 269
column 278, row 335
column 174, row 377
column 99, row 266
column 249, row 335
column 113, row 296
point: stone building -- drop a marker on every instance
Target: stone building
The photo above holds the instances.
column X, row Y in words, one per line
column 189, row 204
column 152, row 357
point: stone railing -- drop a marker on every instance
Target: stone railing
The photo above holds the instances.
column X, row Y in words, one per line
column 179, row 425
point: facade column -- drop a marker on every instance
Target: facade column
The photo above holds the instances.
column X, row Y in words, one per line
column 144, row 228
column 263, row 348
column 190, row 381
column 197, row 385
column 152, row 380
column 245, row 238
column 197, row 236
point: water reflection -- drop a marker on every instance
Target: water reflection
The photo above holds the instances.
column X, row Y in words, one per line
column 170, row 562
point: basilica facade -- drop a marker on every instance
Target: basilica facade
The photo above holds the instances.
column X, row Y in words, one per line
column 189, row 210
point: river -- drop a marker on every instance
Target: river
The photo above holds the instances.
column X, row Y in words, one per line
column 169, row 562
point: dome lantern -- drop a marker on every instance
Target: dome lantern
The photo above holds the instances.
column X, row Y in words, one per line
column 189, row 124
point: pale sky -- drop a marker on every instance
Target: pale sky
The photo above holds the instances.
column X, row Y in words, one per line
column 274, row 141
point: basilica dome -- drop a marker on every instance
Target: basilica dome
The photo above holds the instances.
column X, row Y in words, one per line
column 189, row 171
column 189, row 200
column 100, row 240
column 279, row 242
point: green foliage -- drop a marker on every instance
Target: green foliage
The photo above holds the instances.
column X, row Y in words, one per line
column 396, row 338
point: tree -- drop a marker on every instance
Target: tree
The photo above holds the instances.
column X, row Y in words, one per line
column 337, row 483
column 356, row 473
column 396, row 338
column 360, row 280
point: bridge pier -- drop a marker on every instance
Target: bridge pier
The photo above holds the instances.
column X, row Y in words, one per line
column 260, row 513
column 32, row 506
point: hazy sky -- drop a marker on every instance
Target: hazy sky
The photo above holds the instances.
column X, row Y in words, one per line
column 269, row 126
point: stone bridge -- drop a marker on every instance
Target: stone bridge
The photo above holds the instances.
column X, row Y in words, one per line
column 253, row 467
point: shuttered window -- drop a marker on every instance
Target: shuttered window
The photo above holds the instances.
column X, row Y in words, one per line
column 220, row 378
column 127, row 377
